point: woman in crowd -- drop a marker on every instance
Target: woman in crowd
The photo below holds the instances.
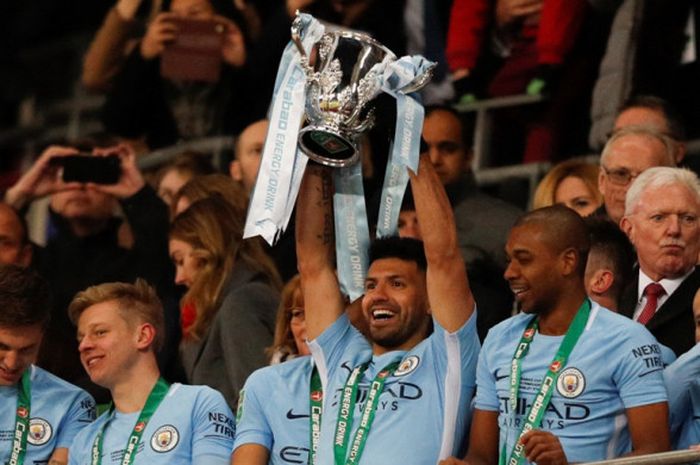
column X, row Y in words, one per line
column 202, row 187
column 573, row 183
column 160, row 94
column 232, row 293
column 290, row 328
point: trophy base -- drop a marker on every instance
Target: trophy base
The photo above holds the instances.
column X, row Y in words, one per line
column 328, row 148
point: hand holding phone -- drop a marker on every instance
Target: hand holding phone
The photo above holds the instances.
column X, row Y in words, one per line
column 159, row 33
column 196, row 52
column 87, row 168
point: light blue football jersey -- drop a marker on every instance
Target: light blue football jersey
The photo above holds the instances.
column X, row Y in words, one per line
column 192, row 425
column 683, row 383
column 58, row 411
column 274, row 411
column 616, row 364
column 422, row 413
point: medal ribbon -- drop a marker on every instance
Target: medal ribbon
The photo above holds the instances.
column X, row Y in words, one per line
column 316, row 401
column 19, row 440
column 539, row 406
column 158, row 393
column 347, row 407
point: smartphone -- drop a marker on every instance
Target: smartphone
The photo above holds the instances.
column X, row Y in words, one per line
column 195, row 54
column 86, row 167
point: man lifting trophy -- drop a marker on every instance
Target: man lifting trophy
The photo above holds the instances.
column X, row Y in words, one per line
column 322, row 103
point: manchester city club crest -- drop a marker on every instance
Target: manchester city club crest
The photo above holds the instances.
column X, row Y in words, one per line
column 407, row 365
column 165, row 438
column 571, row 383
column 40, row 432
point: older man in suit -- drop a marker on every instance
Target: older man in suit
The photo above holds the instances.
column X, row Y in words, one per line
column 661, row 219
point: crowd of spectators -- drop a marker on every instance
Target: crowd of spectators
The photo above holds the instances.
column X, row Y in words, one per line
column 151, row 272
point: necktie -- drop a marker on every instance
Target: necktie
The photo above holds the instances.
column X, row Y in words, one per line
column 653, row 291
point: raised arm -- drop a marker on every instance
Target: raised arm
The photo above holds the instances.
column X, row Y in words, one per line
column 323, row 301
column 450, row 297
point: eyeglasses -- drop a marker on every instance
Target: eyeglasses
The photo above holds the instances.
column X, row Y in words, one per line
column 621, row 176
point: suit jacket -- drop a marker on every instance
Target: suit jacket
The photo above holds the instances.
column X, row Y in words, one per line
column 673, row 324
column 234, row 345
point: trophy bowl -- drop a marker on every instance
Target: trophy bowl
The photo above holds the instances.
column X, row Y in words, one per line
column 342, row 79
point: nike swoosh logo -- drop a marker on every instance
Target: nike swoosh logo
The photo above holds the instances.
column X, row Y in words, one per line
column 293, row 416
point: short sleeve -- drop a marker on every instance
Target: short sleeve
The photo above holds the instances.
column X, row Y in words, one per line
column 214, row 429
column 678, row 377
column 461, row 349
column 486, row 394
column 639, row 375
column 81, row 413
column 339, row 343
column 252, row 426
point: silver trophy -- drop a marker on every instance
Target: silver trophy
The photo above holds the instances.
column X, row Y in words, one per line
column 343, row 75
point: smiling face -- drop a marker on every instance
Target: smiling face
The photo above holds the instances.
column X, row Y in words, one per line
column 395, row 304
column 665, row 231
column 108, row 343
column 531, row 271
column 19, row 347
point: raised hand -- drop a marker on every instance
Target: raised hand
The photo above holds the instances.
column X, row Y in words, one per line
column 130, row 181
column 233, row 50
column 42, row 179
column 160, row 32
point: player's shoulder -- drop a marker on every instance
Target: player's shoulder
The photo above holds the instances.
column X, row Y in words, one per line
column 187, row 394
column 508, row 329
column 281, row 372
column 606, row 322
column 45, row 383
column 85, row 437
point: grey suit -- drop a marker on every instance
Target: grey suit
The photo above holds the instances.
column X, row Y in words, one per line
column 235, row 344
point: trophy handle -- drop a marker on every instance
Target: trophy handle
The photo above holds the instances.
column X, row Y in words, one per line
column 296, row 34
column 420, row 81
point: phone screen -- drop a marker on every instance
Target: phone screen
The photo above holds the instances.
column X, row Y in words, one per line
column 89, row 168
column 195, row 55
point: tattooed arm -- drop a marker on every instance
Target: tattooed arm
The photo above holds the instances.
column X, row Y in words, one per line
column 323, row 301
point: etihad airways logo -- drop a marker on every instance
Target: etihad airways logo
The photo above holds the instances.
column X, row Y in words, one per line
column 557, row 413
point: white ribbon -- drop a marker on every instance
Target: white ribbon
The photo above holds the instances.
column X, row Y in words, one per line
column 282, row 164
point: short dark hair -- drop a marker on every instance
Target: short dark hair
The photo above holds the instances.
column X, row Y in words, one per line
column 674, row 120
column 467, row 122
column 563, row 229
column 609, row 243
column 25, row 298
column 403, row 248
